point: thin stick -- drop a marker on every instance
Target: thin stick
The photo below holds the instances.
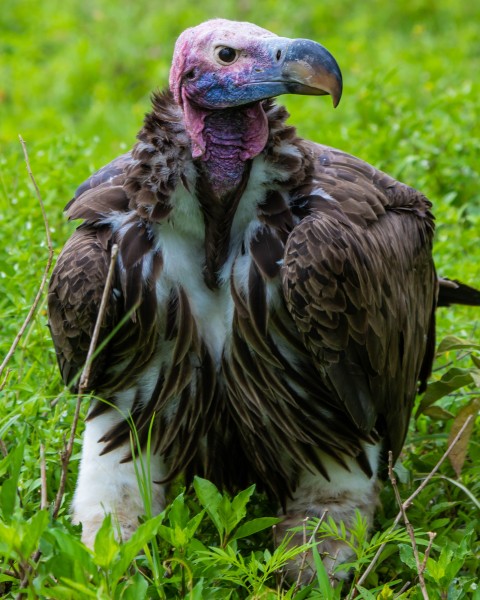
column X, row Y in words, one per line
column 67, row 453
column 408, row 527
column 403, row 589
column 101, row 312
column 3, row 448
column 43, row 479
column 4, row 382
column 408, row 503
column 43, row 282
column 431, row 536
column 304, row 557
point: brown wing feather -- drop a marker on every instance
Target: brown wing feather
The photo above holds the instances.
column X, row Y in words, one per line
column 74, row 298
column 360, row 284
column 111, row 174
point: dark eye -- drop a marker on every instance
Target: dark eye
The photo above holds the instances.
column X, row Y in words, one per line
column 226, row 55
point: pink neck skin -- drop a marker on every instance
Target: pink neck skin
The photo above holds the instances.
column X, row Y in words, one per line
column 225, row 140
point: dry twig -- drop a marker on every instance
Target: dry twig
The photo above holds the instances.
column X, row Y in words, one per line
column 3, row 448
column 101, row 313
column 4, row 382
column 431, row 536
column 303, row 564
column 409, row 528
column 408, row 503
column 402, row 590
column 43, row 479
column 43, row 283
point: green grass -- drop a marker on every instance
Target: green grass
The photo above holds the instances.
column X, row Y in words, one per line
column 75, row 80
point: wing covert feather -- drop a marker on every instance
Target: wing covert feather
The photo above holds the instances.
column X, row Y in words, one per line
column 362, row 291
column 74, row 297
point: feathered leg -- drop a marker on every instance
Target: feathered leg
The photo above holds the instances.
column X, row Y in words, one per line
column 106, row 485
column 337, row 498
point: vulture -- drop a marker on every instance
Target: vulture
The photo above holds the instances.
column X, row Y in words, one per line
column 271, row 315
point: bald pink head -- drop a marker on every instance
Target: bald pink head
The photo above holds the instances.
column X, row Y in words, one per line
column 223, row 64
column 198, row 44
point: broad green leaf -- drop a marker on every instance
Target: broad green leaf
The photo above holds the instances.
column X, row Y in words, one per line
column 210, row 498
column 454, row 379
column 193, row 524
column 365, row 594
column 451, row 342
column 8, row 498
column 438, row 524
column 178, row 514
column 84, row 591
column 6, row 268
column 181, row 536
column 254, row 526
column 302, row 594
column 135, row 589
column 197, row 592
column 196, row 546
column 406, row 556
column 167, row 533
column 60, row 592
column 476, row 377
column 69, row 558
column 452, row 568
column 130, row 549
column 437, row 413
column 226, row 514
column 23, row 537
column 105, row 546
column 435, row 570
column 463, row 549
column 32, row 531
column 239, row 503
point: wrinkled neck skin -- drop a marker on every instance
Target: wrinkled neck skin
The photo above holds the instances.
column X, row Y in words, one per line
column 224, row 141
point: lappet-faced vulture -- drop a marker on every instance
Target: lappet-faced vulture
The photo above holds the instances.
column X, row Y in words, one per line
column 273, row 300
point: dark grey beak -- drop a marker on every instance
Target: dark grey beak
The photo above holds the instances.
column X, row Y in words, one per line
column 309, row 68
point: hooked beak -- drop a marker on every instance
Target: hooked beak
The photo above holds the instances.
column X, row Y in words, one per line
column 293, row 67
column 309, row 69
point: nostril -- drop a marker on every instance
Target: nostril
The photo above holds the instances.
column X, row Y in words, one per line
column 279, row 54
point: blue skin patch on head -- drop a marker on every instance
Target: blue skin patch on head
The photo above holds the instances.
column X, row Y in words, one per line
column 224, row 92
